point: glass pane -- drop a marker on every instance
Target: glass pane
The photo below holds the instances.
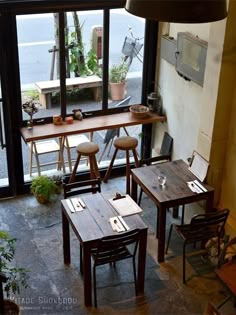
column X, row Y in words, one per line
column 126, row 58
column 3, row 157
column 125, row 61
column 84, row 54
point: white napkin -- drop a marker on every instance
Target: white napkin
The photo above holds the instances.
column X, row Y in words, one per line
column 194, row 187
column 116, row 225
column 76, row 204
column 200, row 185
column 70, row 205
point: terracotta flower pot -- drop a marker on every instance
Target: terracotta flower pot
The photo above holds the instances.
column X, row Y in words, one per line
column 118, row 91
column 41, row 199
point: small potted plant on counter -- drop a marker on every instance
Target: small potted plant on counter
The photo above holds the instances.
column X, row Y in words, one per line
column 43, row 187
column 12, row 278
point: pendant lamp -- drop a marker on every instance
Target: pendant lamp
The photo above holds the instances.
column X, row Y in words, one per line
column 178, row 11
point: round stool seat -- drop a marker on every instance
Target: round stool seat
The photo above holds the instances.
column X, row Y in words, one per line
column 87, row 148
column 126, row 143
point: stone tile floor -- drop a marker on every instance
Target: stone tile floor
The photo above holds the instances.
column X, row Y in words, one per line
column 58, row 289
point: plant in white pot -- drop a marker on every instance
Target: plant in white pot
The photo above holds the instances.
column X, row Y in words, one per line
column 117, row 81
column 12, row 278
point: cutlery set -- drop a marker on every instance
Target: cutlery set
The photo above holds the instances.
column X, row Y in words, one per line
column 118, row 224
column 196, row 187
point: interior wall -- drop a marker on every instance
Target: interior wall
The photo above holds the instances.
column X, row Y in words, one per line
column 203, row 118
column 182, row 100
column 224, row 137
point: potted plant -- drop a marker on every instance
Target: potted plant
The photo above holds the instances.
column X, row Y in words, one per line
column 117, row 81
column 12, row 278
column 43, row 187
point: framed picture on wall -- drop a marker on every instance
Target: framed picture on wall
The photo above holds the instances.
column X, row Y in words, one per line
column 199, row 166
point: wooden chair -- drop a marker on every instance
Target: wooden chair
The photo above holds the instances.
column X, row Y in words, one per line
column 44, row 147
column 112, row 249
column 78, row 188
column 201, row 228
column 211, row 310
column 226, row 269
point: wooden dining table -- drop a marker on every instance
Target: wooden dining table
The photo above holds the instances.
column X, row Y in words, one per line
column 174, row 193
column 89, row 226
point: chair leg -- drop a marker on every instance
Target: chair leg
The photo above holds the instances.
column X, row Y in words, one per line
column 108, row 172
column 94, row 286
column 95, row 167
column 169, row 236
column 135, row 278
column 183, row 212
column 184, row 263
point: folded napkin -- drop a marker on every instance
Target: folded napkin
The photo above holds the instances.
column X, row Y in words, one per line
column 77, row 205
column 118, row 224
column 70, row 205
column 195, row 187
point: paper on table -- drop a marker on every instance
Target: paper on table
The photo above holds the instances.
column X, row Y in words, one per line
column 125, row 206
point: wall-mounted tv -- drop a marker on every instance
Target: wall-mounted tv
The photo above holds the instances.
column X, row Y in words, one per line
column 191, row 57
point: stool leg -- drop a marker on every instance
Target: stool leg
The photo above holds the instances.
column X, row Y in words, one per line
column 135, row 157
column 108, row 172
column 72, row 177
column 127, row 173
column 95, row 167
column 92, row 170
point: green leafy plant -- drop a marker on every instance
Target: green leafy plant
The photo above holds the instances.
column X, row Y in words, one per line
column 43, row 187
column 15, row 277
column 118, row 73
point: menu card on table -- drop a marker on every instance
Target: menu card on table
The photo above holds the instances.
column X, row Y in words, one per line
column 199, row 166
column 125, row 205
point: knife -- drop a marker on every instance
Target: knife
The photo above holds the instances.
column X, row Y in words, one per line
column 70, row 205
column 123, row 222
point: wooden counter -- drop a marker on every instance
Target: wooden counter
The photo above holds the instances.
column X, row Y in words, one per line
column 45, row 131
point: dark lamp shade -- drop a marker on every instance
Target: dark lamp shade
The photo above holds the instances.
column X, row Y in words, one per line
column 178, row 11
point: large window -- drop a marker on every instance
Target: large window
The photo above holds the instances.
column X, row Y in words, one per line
column 93, row 42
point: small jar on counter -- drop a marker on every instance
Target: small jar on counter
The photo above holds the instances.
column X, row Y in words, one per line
column 57, row 119
column 69, row 120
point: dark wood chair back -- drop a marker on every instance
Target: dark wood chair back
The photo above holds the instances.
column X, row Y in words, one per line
column 167, row 144
column 209, row 225
column 114, row 248
column 81, row 187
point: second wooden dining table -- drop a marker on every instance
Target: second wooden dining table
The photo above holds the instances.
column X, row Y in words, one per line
column 92, row 224
column 174, row 193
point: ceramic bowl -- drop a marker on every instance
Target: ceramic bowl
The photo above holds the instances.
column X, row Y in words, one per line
column 139, row 111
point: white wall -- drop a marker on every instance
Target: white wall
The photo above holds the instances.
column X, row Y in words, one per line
column 186, row 103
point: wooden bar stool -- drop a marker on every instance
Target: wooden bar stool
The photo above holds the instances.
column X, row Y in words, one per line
column 89, row 150
column 126, row 144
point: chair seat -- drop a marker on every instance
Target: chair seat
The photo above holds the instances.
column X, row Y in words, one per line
column 126, row 143
column 87, row 148
column 47, row 146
